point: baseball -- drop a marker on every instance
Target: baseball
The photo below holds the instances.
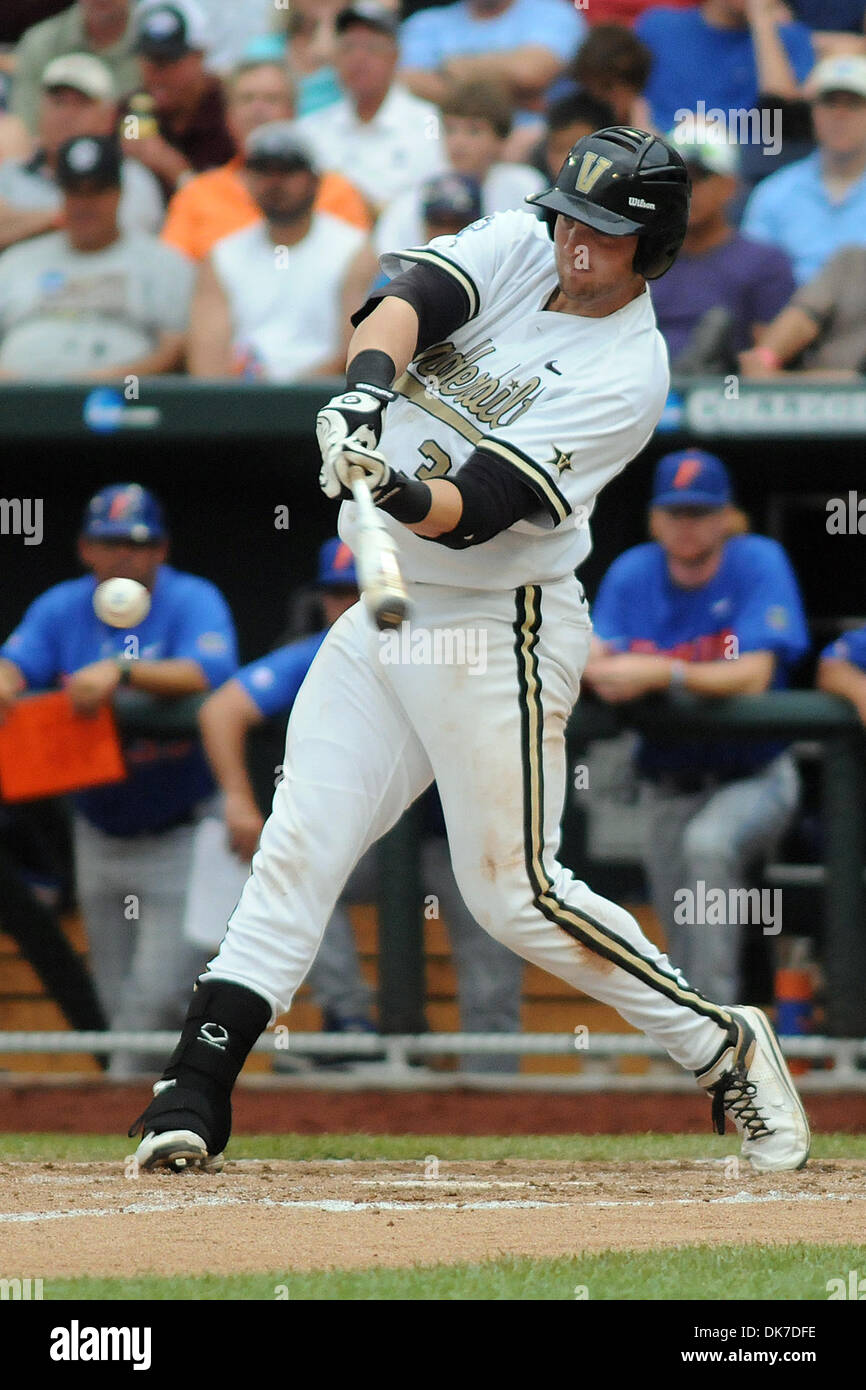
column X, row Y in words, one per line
column 121, row 602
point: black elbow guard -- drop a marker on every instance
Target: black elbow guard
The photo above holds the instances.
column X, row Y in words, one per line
column 494, row 497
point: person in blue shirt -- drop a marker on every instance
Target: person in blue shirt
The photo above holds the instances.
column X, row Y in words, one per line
column 817, row 205
column 724, row 54
column 489, row 976
column 701, row 609
column 133, row 839
column 524, row 43
column 842, row 669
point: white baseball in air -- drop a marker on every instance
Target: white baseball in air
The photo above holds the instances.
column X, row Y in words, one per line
column 121, row 602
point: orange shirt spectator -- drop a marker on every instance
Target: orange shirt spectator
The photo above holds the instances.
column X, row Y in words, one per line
column 217, row 203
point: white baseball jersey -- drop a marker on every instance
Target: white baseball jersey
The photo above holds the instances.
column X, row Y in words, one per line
column 567, row 401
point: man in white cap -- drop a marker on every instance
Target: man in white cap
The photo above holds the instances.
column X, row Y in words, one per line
column 815, row 206
column 101, row 27
column 724, row 288
column 78, row 98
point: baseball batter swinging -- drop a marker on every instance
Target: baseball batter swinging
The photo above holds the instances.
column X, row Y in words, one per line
column 494, row 386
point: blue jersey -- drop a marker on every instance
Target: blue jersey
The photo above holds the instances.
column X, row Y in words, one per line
column 273, row 682
column 188, row 618
column 851, row 646
column 751, row 604
column 695, row 61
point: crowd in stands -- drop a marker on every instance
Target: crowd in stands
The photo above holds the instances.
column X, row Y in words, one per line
column 274, row 153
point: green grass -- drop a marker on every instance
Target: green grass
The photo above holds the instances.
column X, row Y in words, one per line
column 790, row 1273
column 87, row 1148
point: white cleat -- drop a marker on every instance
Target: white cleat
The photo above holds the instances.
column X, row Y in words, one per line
column 177, row 1150
column 749, row 1080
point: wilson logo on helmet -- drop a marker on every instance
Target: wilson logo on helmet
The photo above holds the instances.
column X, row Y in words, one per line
column 591, row 169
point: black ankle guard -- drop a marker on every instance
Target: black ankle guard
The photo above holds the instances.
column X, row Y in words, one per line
column 223, row 1022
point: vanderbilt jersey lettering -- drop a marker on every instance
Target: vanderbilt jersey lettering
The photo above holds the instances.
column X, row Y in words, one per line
column 565, row 401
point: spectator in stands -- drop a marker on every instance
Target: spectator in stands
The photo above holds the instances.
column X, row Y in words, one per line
column 380, row 136
column 89, row 301
column 476, row 122
column 215, row 204
column 78, row 98
column 626, row 11
column 701, row 609
column 489, row 976
column 311, row 53
column 842, row 669
column 569, row 118
column 817, row 205
column 270, row 298
column 724, row 288
column 104, row 28
column 231, row 26
column 612, row 65
column 723, row 55
column 179, row 126
column 524, row 43
column 822, row 332
column 838, row 26
column 133, row 839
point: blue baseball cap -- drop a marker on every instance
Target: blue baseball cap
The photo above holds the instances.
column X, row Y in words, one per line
column 336, row 566
column 124, row 511
column 691, row 478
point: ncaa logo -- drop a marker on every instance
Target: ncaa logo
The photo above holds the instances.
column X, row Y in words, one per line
column 215, row 1035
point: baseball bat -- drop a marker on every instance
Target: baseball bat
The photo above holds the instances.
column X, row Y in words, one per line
column 378, row 571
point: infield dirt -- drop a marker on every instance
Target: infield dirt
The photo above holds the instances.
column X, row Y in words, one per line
column 93, row 1219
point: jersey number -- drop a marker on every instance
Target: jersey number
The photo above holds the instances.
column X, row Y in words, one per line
column 440, row 462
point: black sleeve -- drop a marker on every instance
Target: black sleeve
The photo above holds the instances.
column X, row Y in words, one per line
column 442, row 305
column 494, row 497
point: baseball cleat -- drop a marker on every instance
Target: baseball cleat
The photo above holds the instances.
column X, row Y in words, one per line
column 750, row 1082
column 181, row 1129
column 178, row 1150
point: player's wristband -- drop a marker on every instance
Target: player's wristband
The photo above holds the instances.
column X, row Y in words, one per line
column 373, row 371
column 405, row 499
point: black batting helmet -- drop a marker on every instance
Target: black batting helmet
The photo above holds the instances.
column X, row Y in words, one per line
column 623, row 181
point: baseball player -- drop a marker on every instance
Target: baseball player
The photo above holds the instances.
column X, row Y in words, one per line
column 494, row 386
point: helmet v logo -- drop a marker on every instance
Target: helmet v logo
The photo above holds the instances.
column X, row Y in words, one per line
column 590, row 171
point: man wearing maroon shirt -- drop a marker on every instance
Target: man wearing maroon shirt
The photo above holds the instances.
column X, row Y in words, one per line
column 186, row 101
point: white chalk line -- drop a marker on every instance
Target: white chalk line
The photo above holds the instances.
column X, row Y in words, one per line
column 343, row 1205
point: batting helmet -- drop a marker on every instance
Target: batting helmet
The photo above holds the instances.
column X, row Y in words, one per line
column 623, row 181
